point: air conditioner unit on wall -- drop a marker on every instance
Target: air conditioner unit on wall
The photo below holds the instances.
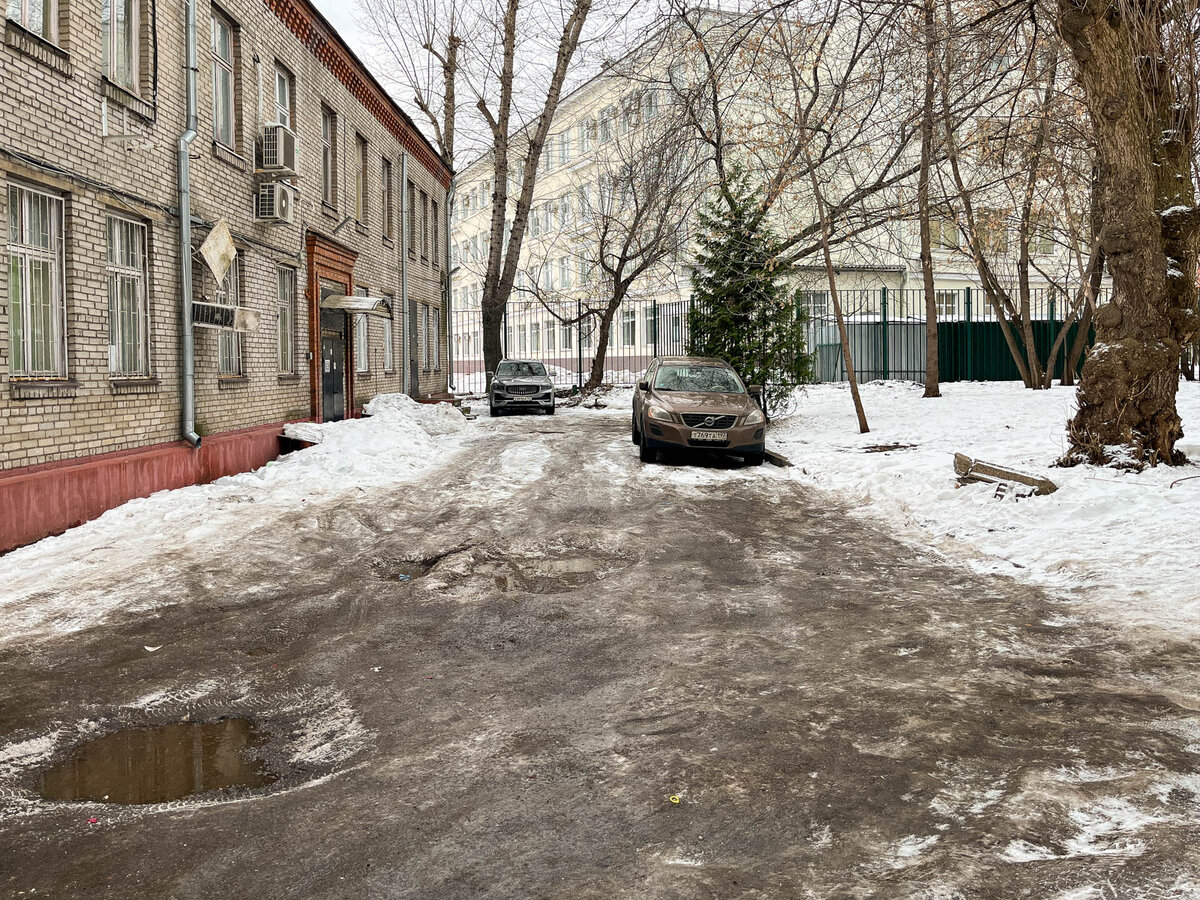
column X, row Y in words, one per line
column 274, row 203
column 278, row 150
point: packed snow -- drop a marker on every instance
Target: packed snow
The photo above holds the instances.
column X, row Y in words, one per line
column 1122, row 544
column 399, row 442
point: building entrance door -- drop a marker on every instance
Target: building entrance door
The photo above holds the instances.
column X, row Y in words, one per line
column 333, row 358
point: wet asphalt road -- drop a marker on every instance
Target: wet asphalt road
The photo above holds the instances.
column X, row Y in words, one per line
column 493, row 683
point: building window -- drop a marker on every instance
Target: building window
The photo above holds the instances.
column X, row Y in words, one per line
column 285, row 301
column 360, row 179
column 628, row 328
column 816, row 302
column 127, row 314
column 549, row 332
column 433, row 233
column 566, row 337
column 328, row 157
column 35, row 288
column 608, row 118
column 229, row 349
column 362, row 333
column 37, row 16
column 564, row 273
column 222, row 69
column 409, row 221
column 946, row 303
column 943, row 234
column 535, row 337
column 650, row 324
column 993, row 231
column 437, row 339
column 424, row 226
column 385, row 200
column 389, row 349
column 423, row 337
column 283, row 96
column 119, row 24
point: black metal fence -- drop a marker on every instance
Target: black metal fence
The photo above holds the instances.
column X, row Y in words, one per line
column 886, row 330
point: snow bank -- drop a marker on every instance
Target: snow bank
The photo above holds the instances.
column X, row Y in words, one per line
column 47, row 585
column 1121, row 543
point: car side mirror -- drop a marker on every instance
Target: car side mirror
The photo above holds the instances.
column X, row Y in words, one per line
column 756, row 391
column 491, row 374
column 643, row 385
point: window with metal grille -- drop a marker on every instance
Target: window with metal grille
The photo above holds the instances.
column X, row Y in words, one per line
column 229, row 342
column 285, row 302
column 628, row 327
column 127, row 315
column 37, row 309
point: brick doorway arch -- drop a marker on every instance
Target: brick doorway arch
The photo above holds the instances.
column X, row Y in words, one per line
column 329, row 262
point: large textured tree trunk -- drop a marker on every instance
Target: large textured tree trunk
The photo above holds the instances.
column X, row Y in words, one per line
column 1127, row 413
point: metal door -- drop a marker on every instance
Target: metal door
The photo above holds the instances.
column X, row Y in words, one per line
column 333, row 365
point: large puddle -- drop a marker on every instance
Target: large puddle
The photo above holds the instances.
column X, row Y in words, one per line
column 163, row 763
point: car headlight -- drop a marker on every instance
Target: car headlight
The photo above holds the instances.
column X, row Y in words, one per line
column 657, row 412
column 756, row 417
column 498, row 385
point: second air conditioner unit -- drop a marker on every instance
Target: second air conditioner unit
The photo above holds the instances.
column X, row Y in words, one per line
column 278, row 149
column 274, row 203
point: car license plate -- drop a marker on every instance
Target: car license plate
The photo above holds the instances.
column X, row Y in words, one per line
column 708, row 435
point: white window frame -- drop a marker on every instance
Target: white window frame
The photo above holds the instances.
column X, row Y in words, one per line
column 362, row 343
column 437, row 338
column 424, row 336
column 285, row 307
column 128, row 329
column 946, row 303
column 21, row 12
column 229, row 342
column 111, row 41
column 221, row 65
column 23, row 254
column 628, row 328
column 283, row 96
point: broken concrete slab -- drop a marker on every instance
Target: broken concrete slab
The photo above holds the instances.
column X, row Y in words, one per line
column 975, row 470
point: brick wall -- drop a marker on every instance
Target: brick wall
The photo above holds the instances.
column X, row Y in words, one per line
column 56, row 106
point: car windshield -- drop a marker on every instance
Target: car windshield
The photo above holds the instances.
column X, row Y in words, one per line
column 520, row 370
column 698, row 379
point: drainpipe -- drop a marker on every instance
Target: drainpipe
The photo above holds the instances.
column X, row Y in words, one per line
column 407, row 387
column 188, row 388
column 448, row 304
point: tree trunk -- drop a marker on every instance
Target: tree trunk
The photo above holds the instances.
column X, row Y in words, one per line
column 1127, row 414
column 931, row 313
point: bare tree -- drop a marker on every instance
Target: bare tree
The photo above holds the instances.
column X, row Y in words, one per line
column 1137, row 63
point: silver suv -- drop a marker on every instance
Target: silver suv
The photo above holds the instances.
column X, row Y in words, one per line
column 520, row 384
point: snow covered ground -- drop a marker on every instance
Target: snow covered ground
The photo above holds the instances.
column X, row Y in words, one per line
column 400, row 441
column 1124, row 545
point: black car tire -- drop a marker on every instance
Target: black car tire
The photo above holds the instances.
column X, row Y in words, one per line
column 550, row 411
column 753, row 459
column 492, row 409
column 646, row 453
column 636, row 435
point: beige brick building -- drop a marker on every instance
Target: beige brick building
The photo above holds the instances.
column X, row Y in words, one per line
column 92, row 363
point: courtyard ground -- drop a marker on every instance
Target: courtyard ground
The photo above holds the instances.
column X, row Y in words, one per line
column 526, row 665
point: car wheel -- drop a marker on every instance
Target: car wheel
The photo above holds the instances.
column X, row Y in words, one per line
column 635, row 435
column 646, row 453
column 753, row 459
column 492, row 409
column 550, row 411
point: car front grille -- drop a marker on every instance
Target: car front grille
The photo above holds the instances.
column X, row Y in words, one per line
column 712, row 445
column 523, row 389
column 702, row 420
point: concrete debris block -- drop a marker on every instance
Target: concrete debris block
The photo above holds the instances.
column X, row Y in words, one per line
column 975, row 470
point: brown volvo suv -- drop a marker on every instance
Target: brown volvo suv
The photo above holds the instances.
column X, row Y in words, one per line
column 698, row 403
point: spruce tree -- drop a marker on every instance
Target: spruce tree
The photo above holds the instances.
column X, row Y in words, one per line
column 743, row 310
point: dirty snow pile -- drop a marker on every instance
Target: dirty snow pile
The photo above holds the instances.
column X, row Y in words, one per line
column 1120, row 543
column 399, row 442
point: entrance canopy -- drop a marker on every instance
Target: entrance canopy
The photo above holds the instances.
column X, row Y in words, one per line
column 369, row 306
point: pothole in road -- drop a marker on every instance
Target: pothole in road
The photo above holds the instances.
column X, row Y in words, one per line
column 551, row 573
column 163, row 763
